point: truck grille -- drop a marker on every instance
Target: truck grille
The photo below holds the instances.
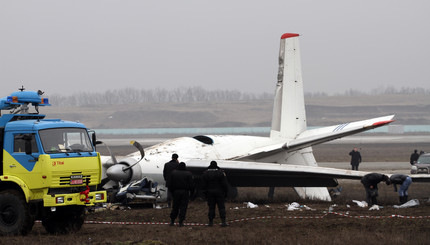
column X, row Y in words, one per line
column 62, row 179
column 65, row 180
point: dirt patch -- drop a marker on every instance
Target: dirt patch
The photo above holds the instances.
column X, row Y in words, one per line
column 270, row 223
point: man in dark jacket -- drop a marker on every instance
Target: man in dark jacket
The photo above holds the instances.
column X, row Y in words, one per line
column 404, row 181
column 370, row 183
column 355, row 158
column 182, row 186
column 168, row 169
column 414, row 157
column 215, row 186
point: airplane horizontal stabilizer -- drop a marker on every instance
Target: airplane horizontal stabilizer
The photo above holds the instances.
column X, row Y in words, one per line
column 317, row 136
column 321, row 135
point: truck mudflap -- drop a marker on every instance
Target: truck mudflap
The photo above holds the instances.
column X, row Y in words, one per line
column 86, row 198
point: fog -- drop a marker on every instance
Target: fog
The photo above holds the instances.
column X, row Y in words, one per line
column 66, row 47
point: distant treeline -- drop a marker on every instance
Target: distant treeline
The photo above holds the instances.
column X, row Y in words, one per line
column 136, row 96
column 195, row 94
column 376, row 91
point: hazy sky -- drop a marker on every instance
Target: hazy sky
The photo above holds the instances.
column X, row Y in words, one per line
column 73, row 46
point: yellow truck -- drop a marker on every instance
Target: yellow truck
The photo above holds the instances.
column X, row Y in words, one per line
column 50, row 170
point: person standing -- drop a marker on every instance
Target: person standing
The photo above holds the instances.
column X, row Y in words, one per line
column 370, row 183
column 414, row 157
column 215, row 187
column 404, row 181
column 355, row 158
column 181, row 184
column 168, row 169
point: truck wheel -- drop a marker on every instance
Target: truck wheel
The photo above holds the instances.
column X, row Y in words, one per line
column 64, row 221
column 15, row 216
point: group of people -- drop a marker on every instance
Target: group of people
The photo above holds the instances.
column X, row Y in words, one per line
column 181, row 186
column 414, row 156
column 371, row 181
column 356, row 158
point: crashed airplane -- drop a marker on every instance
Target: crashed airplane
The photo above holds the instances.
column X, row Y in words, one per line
column 283, row 159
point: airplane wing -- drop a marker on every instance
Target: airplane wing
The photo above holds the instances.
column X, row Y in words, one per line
column 256, row 174
column 320, row 135
column 420, row 177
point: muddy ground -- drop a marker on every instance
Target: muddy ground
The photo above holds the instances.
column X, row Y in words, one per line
column 271, row 222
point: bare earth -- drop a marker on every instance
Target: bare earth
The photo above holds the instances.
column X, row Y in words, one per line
column 271, row 222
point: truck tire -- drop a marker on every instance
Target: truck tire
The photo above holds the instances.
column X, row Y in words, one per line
column 65, row 220
column 15, row 218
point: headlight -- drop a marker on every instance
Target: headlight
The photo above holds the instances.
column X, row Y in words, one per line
column 99, row 196
column 59, row 200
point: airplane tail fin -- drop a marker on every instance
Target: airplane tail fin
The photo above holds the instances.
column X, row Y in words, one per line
column 289, row 117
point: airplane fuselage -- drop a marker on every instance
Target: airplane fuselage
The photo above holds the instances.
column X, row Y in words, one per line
column 204, row 148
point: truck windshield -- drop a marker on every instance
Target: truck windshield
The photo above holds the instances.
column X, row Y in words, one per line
column 65, row 140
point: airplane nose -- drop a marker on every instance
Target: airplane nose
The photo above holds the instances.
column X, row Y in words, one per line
column 116, row 173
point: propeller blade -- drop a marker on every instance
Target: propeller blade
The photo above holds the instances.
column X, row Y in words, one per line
column 139, row 147
column 110, row 152
column 142, row 153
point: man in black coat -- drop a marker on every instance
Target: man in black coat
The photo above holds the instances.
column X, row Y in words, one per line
column 355, row 158
column 370, row 183
column 168, row 169
column 414, row 157
column 215, row 186
column 181, row 184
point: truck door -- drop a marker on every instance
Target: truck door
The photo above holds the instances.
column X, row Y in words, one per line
column 21, row 163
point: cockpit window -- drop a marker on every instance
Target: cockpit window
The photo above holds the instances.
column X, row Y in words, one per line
column 204, row 139
column 65, row 140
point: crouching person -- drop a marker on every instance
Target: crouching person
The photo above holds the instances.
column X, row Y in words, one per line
column 404, row 181
column 370, row 183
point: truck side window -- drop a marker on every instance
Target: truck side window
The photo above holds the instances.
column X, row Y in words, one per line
column 19, row 142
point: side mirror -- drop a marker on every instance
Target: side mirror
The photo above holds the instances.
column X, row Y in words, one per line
column 94, row 138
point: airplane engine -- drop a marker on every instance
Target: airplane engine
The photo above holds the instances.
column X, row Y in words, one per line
column 125, row 171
